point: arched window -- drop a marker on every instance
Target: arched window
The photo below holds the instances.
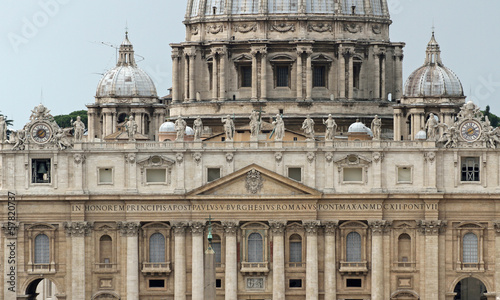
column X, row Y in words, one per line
column 216, row 246
column 470, row 248
column 376, row 7
column 245, row 6
column 215, row 7
column 353, row 247
column 320, row 6
column 157, row 248
column 348, row 5
column 255, row 249
column 42, row 249
column 105, row 249
column 404, row 248
column 283, row 6
column 295, row 248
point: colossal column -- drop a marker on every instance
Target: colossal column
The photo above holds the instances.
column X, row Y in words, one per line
column 77, row 232
column 311, row 228
column 431, row 229
column 254, row 74
column 376, row 72
column 277, row 228
column 214, row 77
column 330, row 263
column 179, row 261
column 231, row 291
column 197, row 248
column 309, row 75
column 299, row 75
column 222, row 77
column 175, row 75
column 192, row 74
column 130, row 230
column 378, row 227
column 398, row 57
column 263, row 74
column 341, row 80
column 186, row 75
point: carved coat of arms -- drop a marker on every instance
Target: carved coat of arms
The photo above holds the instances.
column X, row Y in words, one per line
column 253, row 182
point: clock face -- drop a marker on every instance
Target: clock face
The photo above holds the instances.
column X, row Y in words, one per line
column 41, row 133
column 470, row 131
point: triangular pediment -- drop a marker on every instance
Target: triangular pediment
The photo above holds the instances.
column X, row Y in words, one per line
column 254, row 181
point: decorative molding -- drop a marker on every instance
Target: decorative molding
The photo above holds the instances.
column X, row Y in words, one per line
column 179, row 227
column 282, row 27
column 320, row 27
column 179, row 157
column 277, row 226
column 194, row 30
column 229, row 157
column 429, row 156
column 329, row 157
column 254, row 181
column 377, row 156
column 278, row 156
column 78, row 229
column 379, row 226
column 353, row 28
column 245, row 27
column 130, row 158
column 197, row 157
column 214, row 29
column 496, row 226
column 377, row 29
column 310, row 157
column 128, row 228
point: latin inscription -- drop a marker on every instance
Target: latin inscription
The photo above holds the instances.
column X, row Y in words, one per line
column 131, row 208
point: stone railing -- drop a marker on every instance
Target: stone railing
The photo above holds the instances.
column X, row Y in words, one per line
column 41, row 269
column 353, row 267
column 254, row 267
column 105, row 267
column 295, row 265
column 156, row 268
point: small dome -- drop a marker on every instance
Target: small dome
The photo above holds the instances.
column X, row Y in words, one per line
column 126, row 79
column 421, row 135
column 433, row 79
column 359, row 127
column 167, row 127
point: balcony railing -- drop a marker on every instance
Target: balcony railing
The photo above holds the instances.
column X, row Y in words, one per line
column 41, row 268
column 105, row 267
column 296, row 265
column 254, row 267
column 406, row 265
column 354, row 267
column 471, row 267
column 156, row 268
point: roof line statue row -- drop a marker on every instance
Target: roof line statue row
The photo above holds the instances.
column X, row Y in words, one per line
column 203, row 8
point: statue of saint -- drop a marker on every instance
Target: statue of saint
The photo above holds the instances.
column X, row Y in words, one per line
column 79, row 128
column 308, row 126
column 3, row 130
column 254, row 124
column 279, row 128
column 376, row 128
column 432, row 128
column 331, row 128
column 131, row 127
column 198, row 129
column 61, row 139
column 228, row 128
column 180, row 128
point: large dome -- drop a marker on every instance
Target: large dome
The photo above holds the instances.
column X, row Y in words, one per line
column 433, row 79
column 126, row 79
column 252, row 7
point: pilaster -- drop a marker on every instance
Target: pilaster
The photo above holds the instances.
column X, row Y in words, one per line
column 277, row 229
column 431, row 229
column 312, row 289
column 179, row 260
column 130, row 230
column 197, row 277
column 330, row 228
column 10, row 230
column 77, row 232
column 378, row 228
column 231, row 288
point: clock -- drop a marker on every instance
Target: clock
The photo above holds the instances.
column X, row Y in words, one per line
column 41, row 132
column 470, row 131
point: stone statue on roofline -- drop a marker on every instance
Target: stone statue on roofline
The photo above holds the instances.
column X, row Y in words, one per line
column 376, row 128
column 228, row 127
column 308, row 127
column 180, row 128
column 331, row 128
column 198, row 129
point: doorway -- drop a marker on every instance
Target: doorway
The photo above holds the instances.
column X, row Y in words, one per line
column 470, row 289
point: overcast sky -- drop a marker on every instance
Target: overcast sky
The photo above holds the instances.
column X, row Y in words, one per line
column 57, row 46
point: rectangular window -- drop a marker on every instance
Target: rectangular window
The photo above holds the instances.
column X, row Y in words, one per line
column 105, row 175
column 282, row 76
column 217, row 249
column 210, row 76
column 157, row 283
column 319, row 76
column 218, row 283
column 40, row 171
column 404, row 175
column 246, row 76
column 213, row 174
column 295, row 251
column 295, row 173
column 295, row 283
column 353, row 174
column 156, row 175
column 353, row 282
column 356, row 68
column 470, row 169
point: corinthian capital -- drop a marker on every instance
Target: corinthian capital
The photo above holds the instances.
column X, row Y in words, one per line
column 179, row 227
column 277, row 226
column 311, row 226
column 78, row 229
column 379, row 226
column 230, row 227
column 431, row 227
column 197, row 227
column 128, row 228
column 330, row 226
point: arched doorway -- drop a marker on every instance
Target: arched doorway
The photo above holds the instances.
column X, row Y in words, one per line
column 41, row 289
column 470, row 289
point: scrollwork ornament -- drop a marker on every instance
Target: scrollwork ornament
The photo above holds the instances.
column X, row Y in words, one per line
column 282, row 27
column 278, row 156
column 78, row 158
column 353, row 28
column 377, row 156
column 130, row 158
column 179, row 157
column 310, row 156
column 429, row 156
column 320, row 27
column 229, row 157
column 194, row 30
column 377, row 29
column 197, row 157
column 245, row 28
column 329, row 157
column 254, row 181
column 214, row 29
